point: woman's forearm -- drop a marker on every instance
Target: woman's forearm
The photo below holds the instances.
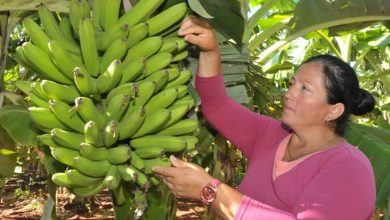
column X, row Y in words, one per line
column 209, row 63
column 226, row 202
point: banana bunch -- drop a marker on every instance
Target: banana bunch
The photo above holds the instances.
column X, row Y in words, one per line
column 111, row 96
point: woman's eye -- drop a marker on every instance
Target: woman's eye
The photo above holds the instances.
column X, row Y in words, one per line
column 304, row 88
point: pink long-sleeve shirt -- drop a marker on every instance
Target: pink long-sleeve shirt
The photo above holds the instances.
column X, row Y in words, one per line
column 332, row 184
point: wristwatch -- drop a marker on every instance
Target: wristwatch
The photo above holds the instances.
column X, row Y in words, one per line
column 209, row 192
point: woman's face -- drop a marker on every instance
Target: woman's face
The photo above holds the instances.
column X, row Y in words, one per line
column 305, row 103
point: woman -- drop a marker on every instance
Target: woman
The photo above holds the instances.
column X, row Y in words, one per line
column 299, row 167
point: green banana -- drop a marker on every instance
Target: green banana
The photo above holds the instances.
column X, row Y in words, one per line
column 65, row 114
column 110, row 77
column 177, row 113
column 66, row 28
column 154, row 180
column 78, row 10
column 110, row 15
column 97, row 13
column 68, row 139
column 89, row 50
column 153, row 121
column 119, row 154
column 93, row 153
column 116, row 51
column 145, row 48
column 24, row 61
column 137, row 162
column 62, row 59
column 110, row 133
column 117, row 106
column 168, row 143
column 92, row 134
column 52, row 29
column 157, row 62
column 46, row 139
column 36, row 89
column 132, row 70
column 124, row 89
column 182, row 91
column 42, row 62
column 186, row 100
column 168, row 46
column 119, row 196
column 45, row 119
column 79, row 179
column 38, row 101
column 160, row 78
column 89, row 112
column 87, row 191
column 36, row 34
column 180, row 56
column 85, row 83
column 105, row 38
column 112, row 179
column 57, row 91
column 23, row 85
column 64, row 155
column 61, row 179
column 182, row 79
column 136, row 34
column 158, row 161
column 127, row 173
column 191, row 141
column 180, row 42
column 91, row 168
column 161, row 100
column 143, row 92
column 149, row 152
column 184, row 126
column 172, row 31
column 140, row 11
column 131, row 123
column 165, row 19
column 142, row 180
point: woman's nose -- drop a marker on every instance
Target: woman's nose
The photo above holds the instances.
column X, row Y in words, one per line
column 290, row 94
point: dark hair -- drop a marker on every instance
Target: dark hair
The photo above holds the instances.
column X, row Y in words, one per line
column 342, row 86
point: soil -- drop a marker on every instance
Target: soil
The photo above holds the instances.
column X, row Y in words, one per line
column 24, row 196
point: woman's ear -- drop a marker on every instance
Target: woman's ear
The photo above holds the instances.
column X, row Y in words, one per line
column 336, row 110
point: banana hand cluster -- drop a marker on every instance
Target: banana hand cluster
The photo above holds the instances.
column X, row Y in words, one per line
column 111, row 95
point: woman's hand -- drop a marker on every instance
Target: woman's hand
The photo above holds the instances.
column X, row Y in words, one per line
column 198, row 32
column 184, row 179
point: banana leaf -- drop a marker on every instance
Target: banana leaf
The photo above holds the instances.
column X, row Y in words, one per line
column 375, row 144
column 7, row 154
column 28, row 5
column 15, row 120
column 311, row 15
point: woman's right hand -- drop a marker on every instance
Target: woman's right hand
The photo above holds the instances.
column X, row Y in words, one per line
column 198, row 32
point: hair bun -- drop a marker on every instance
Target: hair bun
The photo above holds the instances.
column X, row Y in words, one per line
column 362, row 102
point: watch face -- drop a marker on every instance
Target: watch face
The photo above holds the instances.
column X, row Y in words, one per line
column 208, row 193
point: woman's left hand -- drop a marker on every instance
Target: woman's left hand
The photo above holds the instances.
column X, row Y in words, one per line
column 184, row 179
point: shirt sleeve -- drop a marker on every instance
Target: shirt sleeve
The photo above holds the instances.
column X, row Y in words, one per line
column 235, row 122
column 342, row 190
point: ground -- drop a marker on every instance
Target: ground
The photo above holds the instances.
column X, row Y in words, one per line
column 24, row 195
